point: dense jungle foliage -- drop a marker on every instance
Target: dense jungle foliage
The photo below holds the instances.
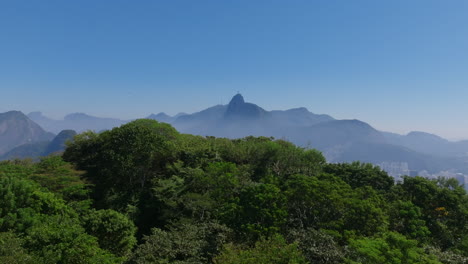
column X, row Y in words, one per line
column 143, row 193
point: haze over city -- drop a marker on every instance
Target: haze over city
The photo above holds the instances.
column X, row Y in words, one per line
column 398, row 65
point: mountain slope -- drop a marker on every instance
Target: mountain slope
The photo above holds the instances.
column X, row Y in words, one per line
column 336, row 132
column 297, row 117
column 161, row 117
column 238, row 109
column 77, row 121
column 240, row 119
column 38, row 149
column 429, row 144
column 17, row 129
column 58, row 143
column 339, row 140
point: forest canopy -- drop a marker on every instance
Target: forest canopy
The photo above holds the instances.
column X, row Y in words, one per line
column 144, row 193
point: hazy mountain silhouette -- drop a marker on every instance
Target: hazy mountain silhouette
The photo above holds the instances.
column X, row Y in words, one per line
column 339, row 140
column 38, row 149
column 297, row 117
column 239, row 110
column 46, row 123
column 240, row 119
column 17, row 129
column 163, row 117
column 429, row 144
column 58, row 143
column 336, row 132
column 77, row 121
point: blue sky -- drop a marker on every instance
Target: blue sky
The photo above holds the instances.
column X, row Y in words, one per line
column 399, row 65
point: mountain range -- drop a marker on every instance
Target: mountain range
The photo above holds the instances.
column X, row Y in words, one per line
column 20, row 137
column 339, row 140
column 40, row 149
column 17, row 129
column 77, row 121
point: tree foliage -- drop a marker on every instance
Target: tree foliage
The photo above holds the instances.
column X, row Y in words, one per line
column 143, row 193
column 272, row 250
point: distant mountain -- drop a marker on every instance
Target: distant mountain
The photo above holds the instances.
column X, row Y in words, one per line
column 58, row 144
column 200, row 123
column 240, row 119
column 339, row 140
column 297, row 117
column 208, row 115
column 163, row 117
column 77, row 121
column 46, row 123
column 17, row 129
column 337, row 132
column 429, row 144
column 38, row 149
column 239, row 110
column 29, row 150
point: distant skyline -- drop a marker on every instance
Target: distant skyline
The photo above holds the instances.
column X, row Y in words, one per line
column 398, row 65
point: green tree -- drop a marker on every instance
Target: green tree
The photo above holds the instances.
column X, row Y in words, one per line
column 182, row 243
column 317, row 246
column 260, row 211
column 444, row 208
column 366, row 212
column 124, row 160
column 358, row 174
column 406, row 219
column 56, row 239
column 21, row 200
column 390, row 248
column 316, row 202
column 11, row 250
column 273, row 250
column 59, row 177
column 123, row 163
column 115, row 232
column 51, row 230
column 327, row 202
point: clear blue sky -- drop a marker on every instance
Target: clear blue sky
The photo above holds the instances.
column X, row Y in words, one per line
column 399, row 65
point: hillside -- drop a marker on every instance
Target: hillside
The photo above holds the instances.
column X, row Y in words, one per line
column 17, row 129
column 40, row 149
column 339, row 140
column 77, row 121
